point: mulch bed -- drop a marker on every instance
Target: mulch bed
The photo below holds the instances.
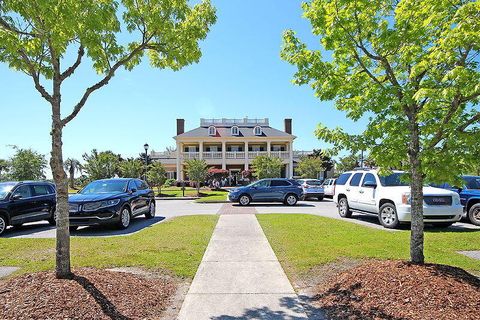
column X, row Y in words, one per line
column 91, row 294
column 397, row 290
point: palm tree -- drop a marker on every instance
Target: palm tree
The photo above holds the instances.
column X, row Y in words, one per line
column 72, row 165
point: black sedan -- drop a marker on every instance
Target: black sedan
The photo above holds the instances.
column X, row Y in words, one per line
column 111, row 202
column 28, row 201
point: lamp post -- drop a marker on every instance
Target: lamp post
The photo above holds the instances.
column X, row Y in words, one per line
column 145, row 146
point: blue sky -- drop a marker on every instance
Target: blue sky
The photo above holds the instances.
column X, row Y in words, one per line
column 240, row 74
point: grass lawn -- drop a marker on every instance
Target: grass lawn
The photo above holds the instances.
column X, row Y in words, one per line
column 206, row 194
column 177, row 245
column 302, row 242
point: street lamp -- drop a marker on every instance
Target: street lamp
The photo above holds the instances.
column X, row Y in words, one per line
column 145, row 146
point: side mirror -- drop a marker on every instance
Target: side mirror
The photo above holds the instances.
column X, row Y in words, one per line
column 16, row 197
column 133, row 190
column 370, row 184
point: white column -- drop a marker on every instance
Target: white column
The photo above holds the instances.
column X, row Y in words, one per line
column 269, row 147
column 224, row 155
column 200, row 155
column 246, row 156
column 179, row 161
column 290, row 166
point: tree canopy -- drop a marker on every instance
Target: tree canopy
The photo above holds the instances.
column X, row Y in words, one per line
column 310, row 167
column 26, row 164
column 411, row 69
column 267, row 167
column 197, row 171
column 101, row 165
column 131, row 168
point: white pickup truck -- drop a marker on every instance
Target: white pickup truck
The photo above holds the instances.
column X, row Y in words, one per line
column 388, row 197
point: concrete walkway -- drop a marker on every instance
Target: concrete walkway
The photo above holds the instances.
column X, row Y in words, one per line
column 240, row 277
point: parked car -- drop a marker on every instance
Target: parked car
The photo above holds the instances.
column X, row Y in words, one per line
column 388, row 197
column 288, row 191
column 312, row 188
column 329, row 187
column 28, row 201
column 111, row 202
column 469, row 197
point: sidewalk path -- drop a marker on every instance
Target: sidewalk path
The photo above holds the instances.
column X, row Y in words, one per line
column 240, row 277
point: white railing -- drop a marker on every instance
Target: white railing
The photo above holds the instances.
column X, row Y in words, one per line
column 224, row 121
column 212, row 155
column 235, row 155
column 253, row 154
column 298, row 154
column 280, row 154
column 191, row 155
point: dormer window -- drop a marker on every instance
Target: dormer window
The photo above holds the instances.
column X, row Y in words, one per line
column 212, row 131
column 257, row 131
column 235, row 131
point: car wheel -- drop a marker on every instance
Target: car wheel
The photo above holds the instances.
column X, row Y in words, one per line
column 388, row 216
column 73, row 228
column 125, row 218
column 291, row 200
column 244, row 200
column 320, row 198
column 343, row 208
column 151, row 210
column 474, row 214
column 53, row 218
column 3, row 224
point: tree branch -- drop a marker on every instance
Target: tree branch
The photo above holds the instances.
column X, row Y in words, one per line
column 35, row 76
column 67, row 73
column 6, row 26
column 104, row 81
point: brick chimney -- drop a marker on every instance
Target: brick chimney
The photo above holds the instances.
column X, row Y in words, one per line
column 180, row 126
column 288, row 126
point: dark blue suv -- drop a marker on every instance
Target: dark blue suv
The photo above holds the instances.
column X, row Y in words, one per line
column 111, row 201
column 469, row 196
column 287, row 191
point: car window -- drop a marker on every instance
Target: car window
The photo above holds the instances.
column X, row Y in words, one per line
column 314, row 182
column 23, row 191
column 472, row 182
column 279, row 183
column 394, row 180
column 40, row 190
column 369, row 178
column 132, row 185
column 5, row 188
column 262, row 183
column 139, row 185
column 355, row 181
column 105, row 186
column 342, row 180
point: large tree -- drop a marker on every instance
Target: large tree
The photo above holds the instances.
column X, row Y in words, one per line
column 26, row 164
column 310, row 167
column 101, row 165
column 197, row 171
column 37, row 37
column 157, row 175
column 410, row 68
column 131, row 168
column 267, row 167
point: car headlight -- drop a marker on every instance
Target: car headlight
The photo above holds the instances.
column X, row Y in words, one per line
column 110, row 203
column 406, row 198
column 456, row 199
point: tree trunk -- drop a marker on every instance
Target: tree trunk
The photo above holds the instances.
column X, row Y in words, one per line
column 198, row 188
column 416, row 185
column 62, row 270
column 72, row 177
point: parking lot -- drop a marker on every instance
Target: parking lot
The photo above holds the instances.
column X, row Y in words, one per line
column 168, row 209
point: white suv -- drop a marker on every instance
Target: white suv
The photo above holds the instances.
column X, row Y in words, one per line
column 365, row 191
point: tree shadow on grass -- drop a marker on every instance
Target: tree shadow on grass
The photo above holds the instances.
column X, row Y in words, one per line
column 108, row 308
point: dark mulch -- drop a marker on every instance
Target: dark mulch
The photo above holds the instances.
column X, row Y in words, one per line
column 397, row 290
column 91, row 294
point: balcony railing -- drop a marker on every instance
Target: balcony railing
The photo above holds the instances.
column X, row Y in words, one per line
column 280, row 154
column 212, row 155
column 253, row 154
column 229, row 122
column 191, row 155
column 235, row 155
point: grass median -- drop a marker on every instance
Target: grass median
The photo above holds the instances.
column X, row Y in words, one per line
column 176, row 246
column 303, row 242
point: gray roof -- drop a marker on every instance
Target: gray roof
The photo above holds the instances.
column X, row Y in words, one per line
column 244, row 131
